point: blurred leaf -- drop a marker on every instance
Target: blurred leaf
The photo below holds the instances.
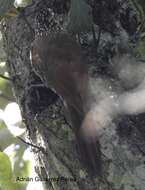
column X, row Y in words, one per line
column 6, row 138
column 24, row 170
column 21, row 167
column 22, row 3
column 6, row 175
column 5, row 6
column 3, row 68
column 80, row 17
column 2, row 125
column 6, row 95
column 19, row 158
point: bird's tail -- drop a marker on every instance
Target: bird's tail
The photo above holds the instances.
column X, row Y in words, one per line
column 89, row 149
column 87, row 141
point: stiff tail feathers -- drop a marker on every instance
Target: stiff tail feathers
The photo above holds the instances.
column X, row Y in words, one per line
column 90, row 153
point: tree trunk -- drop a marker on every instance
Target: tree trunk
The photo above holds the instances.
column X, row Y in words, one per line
column 43, row 113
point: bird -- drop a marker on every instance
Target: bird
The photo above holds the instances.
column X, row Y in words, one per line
column 57, row 58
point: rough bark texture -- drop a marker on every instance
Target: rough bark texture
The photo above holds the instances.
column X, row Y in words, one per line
column 43, row 114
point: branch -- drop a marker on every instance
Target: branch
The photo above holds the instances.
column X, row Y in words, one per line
column 32, row 145
column 4, row 77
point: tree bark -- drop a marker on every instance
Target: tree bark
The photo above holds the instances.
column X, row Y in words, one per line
column 43, row 113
